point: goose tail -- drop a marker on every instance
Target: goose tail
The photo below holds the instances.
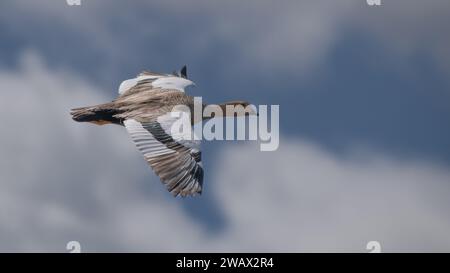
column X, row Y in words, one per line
column 99, row 114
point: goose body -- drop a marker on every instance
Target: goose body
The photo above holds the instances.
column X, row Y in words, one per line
column 144, row 107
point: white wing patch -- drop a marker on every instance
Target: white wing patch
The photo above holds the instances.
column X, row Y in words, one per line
column 160, row 81
column 171, row 82
column 130, row 83
column 177, row 124
column 145, row 141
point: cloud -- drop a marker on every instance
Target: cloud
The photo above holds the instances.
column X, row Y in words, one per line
column 303, row 198
column 408, row 28
column 63, row 181
column 53, row 189
column 292, row 37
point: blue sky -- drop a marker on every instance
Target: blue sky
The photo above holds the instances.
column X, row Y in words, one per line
column 362, row 90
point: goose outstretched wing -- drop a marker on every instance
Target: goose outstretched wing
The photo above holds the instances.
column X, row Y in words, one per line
column 176, row 161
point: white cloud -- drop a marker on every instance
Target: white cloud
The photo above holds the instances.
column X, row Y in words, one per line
column 60, row 179
column 260, row 34
column 305, row 199
column 408, row 28
column 63, row 181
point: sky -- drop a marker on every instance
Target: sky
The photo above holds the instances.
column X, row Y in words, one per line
column 364, row 151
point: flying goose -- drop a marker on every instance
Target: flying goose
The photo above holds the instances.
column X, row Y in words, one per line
column 144, row 106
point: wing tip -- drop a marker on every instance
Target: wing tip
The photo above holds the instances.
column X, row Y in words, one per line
column 175, row 193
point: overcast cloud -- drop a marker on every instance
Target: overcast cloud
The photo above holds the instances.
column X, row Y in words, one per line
column 364, row 116
column 63, row 181
column 292, row 36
